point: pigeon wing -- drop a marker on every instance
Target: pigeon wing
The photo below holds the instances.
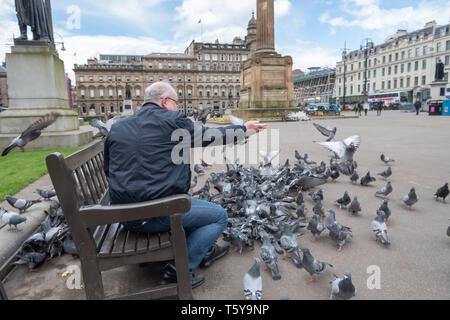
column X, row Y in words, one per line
column 337, row 147
column 41, row 124
column 356, row 140
column 323, row 129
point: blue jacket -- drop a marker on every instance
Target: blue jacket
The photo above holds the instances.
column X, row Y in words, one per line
column 138, row 155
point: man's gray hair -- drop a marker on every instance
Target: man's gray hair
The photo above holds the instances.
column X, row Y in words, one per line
column 157, row 91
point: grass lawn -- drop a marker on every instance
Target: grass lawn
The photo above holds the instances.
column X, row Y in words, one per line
column 18, row 169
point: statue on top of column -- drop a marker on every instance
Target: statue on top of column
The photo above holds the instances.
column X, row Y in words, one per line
column 34, row 13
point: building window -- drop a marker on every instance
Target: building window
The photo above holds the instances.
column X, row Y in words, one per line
column 179, row 66
column 424, row 80
column 401, row 83
column 395, row 69
column 374, row 86
column 137, row 79
column 409, row 67
column 402, row 68
column 408, row 82
column 81, row 79
column 170, row 66
column 417, row 52
column 439, row 47
column 103, row 109
column 188, row 66
column 199, row 57
column 416, row 81
column 207, row 57
column 416, row 66
column 215, row 67
column 100, row 79
column 359, row 88
column 180, row 79
column 389, row 84
column 447, row 45
column 396, row 56
column 214, row 57
column 82, row 93
column 447, row 60
column 230, row 79
column 160, row 65
column 410, row 53
column 84, row 110
column 403, row 55
column 91, row 78
column 110, row 92
column 151, row 79
column 390, row 58
column 138, row 93
column 384, row 59
column 389, row 71
column 425, row 49
column 102, row 93
column 383, row 72
column 189, row 79
column 150, row 65
column 119, row 92
column 200, row 79
column 110, row 79
column 424, row 64
column 382, row 85
column 92, row 93
column 199, row 67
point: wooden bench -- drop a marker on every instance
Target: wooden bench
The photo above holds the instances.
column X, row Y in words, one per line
column 3, row 295
column 101, row 240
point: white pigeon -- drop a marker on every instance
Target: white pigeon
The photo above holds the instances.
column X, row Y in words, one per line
column 379, row 228
column 268, row 157
column 11, row 218
column 344, row 149
column 253, row 282
column 343, row 287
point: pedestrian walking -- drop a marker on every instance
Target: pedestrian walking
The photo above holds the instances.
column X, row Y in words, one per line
column 366, row 108
column 418, row 106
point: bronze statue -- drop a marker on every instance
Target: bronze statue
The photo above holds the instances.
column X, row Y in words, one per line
column 439, row 75
column 33, row 13
column 128, row 91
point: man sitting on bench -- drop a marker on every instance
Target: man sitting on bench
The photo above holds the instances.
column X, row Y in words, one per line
column 139, row 164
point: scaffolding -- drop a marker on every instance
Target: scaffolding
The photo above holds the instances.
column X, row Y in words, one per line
column 315, row 87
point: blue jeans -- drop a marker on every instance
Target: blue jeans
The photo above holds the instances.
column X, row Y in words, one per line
column 203, row 225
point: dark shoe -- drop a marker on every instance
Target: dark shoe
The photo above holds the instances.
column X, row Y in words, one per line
column 214, row 253
column 170, row 276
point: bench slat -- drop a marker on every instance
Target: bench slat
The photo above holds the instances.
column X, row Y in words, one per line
column 119, row 242
column 94, row 177
column 98, row 174
column 87, row 198
column 99, row 235
column 131, row 243
column 107, row 245
column 88, row 179
column 142, row 243
column 164, row 240
column 99, row 158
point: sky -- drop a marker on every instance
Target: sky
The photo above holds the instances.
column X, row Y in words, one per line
column 313, row 32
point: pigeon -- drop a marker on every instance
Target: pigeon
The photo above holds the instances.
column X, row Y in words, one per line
column 32, row 259
column 345, row 150
column 46, row 194
column 298, row 156
column 205, row 165
column 334, row 175
column 354, row 177
column 301, row 211
column 299, row 199
column 442, row 192
column 31, row 133
column 270, row 258
column 410, row 199
column 21, row 204
column 326, row 131
column 289, row 243
column 198, row 170
column 312, row 266
column 338, row 233
column 268, row 157
column 194, row 182
column 367, row 179
column 354, row 206
column 384, row 192
column 104, row 128
column 253, row 282
column 11, row 218
column 343, row 287
column 331, row 219
column 344, row 201
column 448, row 231
column 384, row 207
column 386, row 160
column 379, row 228
column 315, row 227
column 204, row 115
column 386, row 174
column 316, row 196
column 307, row 160
column 318, row 209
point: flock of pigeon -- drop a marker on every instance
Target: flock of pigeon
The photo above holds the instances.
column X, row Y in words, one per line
column 264, row 204
column 267, row 204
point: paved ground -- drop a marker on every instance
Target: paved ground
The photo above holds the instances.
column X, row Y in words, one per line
column 416, row 266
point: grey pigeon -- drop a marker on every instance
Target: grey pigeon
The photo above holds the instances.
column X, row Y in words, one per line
column 385, row 191
column 410, row 199
column 205, row 165
column 354, row 206
column 31, row 133
column 354, row 177
column 316, row 196
column 46, row 194
column 31, row 259
column 289, row 243
column 11, row 218
column 312, row 266
column 315, row 227
column 326, row 131
column 344, row 201
column 367, row 179
column 21, row 204
column 442, row 192
column 345, row 150
column 385, row 208
column 343, row 287
column 298, row 156
column 204, row 115
column 270, row 258
column 386, row 160
column 253, row 282
column 331, row 219
column 338, row 233
column 301, row 211
column 194, row 182
column 307, row 160
column 319, row 210
column 386, row 174
column 299, row 199
column 379, row 228
column 103, row 128
column 334, row 175
column 198, row 170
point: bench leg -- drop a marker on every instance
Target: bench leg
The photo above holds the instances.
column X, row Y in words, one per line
column 3, row 295
column 93, row 282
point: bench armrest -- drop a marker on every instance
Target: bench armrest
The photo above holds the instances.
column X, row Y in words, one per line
column 100, row 215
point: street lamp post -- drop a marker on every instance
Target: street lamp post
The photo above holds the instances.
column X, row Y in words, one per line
column 344, row 55
column 184, row 91
column 367, row 47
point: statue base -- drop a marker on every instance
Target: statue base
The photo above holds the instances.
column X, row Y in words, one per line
column 128, row 107
column 34, row 43
column 437, row 91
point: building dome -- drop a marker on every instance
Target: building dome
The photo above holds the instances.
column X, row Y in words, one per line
column 252, row 22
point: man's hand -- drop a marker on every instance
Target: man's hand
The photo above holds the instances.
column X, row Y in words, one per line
column 254, row 127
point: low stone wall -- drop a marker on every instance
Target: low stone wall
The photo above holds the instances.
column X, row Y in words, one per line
column 262, row 113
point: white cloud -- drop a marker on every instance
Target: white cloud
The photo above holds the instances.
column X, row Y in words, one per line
column 369, row 15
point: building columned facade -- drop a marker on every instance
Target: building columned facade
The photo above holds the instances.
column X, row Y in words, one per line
column 206, row 75
column 397, row 71
column 314, row 87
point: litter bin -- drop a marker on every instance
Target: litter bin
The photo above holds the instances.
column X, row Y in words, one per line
column 446, row 108
column 435, row 109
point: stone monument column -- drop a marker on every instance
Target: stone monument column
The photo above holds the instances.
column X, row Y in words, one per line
column 265, row 28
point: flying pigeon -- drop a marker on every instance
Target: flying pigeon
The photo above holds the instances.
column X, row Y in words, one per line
column 344, row 201
column 386, row 160
column 289, row 243
column 326, row 131
column 315, row 227
column 268, row 157
column 270, row 258
column 386, row 174
column 11, row 218
column 46, row 194
column 384, row 207
column 367, row 179
column 253, row 282
column 21, row 204
column 410, row 199
column 312, row 266
column 385, row 191
column 204, row 115
column 104, row 128
column 343, row 287
column 442, row 192
column 354, row 206
column 198, row 170
column 31, row 133
column 379, row 228
column 354, row 177
column 235, row 121
column 345, row 150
